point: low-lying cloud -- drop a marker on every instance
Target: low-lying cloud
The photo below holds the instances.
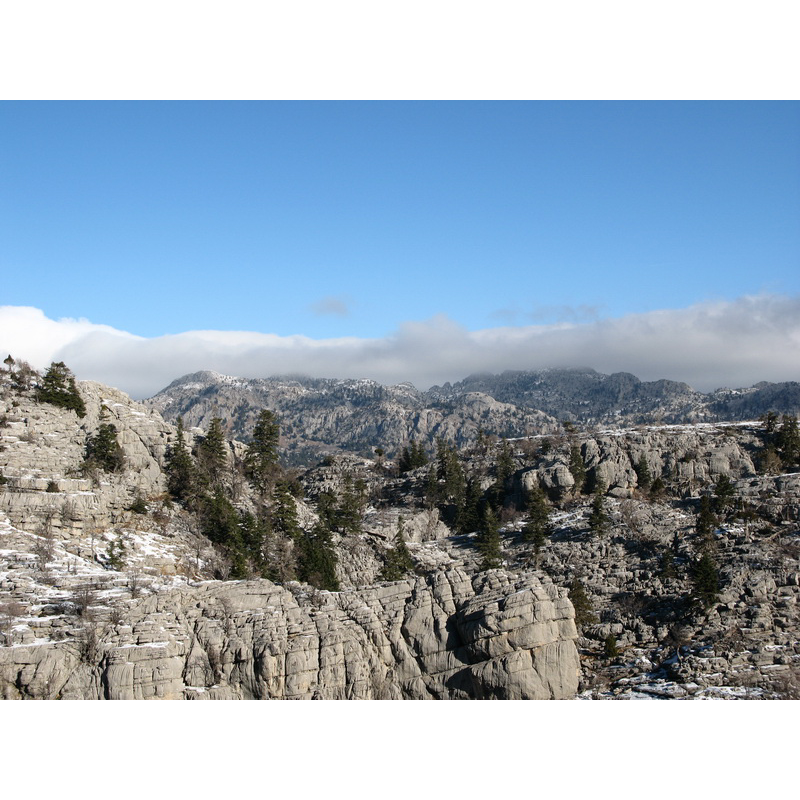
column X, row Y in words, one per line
column 709, row 345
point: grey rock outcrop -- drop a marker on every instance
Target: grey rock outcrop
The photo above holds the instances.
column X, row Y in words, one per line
column 443, row 636
column 325, row 415
column 43, row 461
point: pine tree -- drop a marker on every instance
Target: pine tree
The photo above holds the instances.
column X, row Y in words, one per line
column 705, row 522
column 599, row 521
column 284, row 512
column 577, row 467
column 212, row 453
column 58, row 388
column 104, row 450
column 642, row 470
column 705, row 580
column 261, row 460
column 469, row 515
column 182, row 478
column 787, row 441
column 538, row 528
column 489, row 541
column 398, row 558
column 316, row 560
column 584, row 611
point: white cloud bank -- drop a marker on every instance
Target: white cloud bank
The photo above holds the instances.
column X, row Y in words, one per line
column 708, row 345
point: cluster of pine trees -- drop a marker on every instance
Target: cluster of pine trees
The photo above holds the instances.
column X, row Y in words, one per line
column 268, row 541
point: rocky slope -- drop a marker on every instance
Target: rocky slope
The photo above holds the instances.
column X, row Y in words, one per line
column 106, row 584
column 324, row 416
column 98, row 600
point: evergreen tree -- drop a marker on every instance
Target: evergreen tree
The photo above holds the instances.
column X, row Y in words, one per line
column 538, row 527
column 261, row 460
column 787, row 441
column 316, row 561
column 284, row 512
column 469, row 516
column 705, row 580
column 104, row 450
column 643, row 477
column 404, row 462
column 254, row 533
column 212, row 453
column 599, row 521
column 724, row 492
column 504, row 469
column 705, row 522
column 398, row 558
column 350, row 509
column 58, row 388
column 182, row 478
column 489, row 541
column 577, row 467
column 417, row 455
column 584, row 611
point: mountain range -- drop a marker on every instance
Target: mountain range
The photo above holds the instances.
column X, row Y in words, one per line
column 328, row 415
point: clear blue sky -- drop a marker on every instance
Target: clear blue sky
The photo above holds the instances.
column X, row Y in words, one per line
column 346, row 219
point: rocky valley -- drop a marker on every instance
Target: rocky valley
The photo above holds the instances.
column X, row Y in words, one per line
column 299, row 539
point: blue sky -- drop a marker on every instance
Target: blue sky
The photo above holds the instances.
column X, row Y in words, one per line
column 365, row 219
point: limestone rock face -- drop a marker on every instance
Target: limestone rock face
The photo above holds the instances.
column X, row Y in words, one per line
column 43, row 459
column 688, row 455
column 446, row 635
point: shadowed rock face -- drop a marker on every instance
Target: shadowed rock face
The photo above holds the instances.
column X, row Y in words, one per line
column 445, row 636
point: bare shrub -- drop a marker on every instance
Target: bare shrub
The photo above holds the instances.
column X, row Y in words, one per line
column 88, row 643
column 44, row 549
column 83, row 598
column 134, row 583
column 9, row 611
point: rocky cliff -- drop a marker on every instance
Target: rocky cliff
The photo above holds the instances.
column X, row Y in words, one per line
column 102, row 593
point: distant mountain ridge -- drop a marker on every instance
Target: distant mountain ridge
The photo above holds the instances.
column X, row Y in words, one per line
column 325, row 414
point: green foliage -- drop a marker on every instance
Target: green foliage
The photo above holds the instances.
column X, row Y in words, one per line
column 284, row 512
column 469, row 514
column 183, row 479
column 489, row 540
column 450, row 471
column 261, row 461
column 705, row 522
column 103, row 450
column 643, row 477
column 58, row 388
column 724, row 492
column 787, row 441
column 584, row 611
column 705, row 580
column 116, row 554
column 350, row 508
column 412, row 457
column 316, row 561
column 610, row 649
column 398, row 558
column 212, row 453
column 577, row 467
column 138, row 506
column 538, row 528
column 599, row 521
column 657, row 487
column 504, row 469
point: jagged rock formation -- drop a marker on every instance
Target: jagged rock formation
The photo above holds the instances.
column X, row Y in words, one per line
column 101, row 596
column 443, row 636
column 325, row 415
column 592, row 398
